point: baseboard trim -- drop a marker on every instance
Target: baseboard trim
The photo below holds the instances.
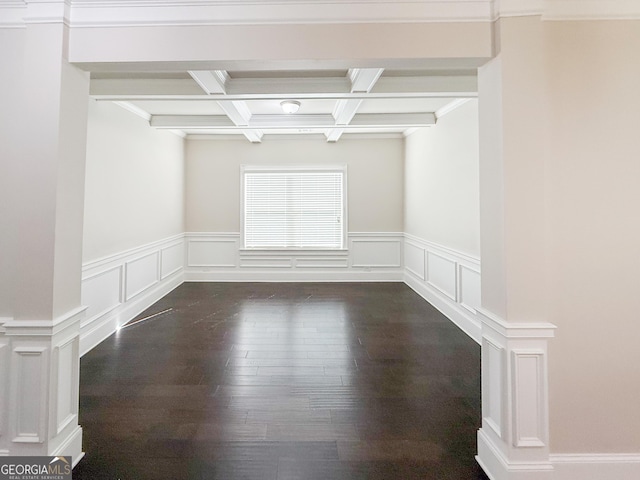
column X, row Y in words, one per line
column 395, row 275
column 447, row 307
column 497, row 467
column 596, row 466
column 72, row 447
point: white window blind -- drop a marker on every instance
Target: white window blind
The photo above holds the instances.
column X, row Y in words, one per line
column 293, row 209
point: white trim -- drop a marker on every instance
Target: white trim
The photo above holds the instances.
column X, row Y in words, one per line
column 518, row 8
column 498, row 467
column 274, row 12
column 514, row 329
column 460, row 317
column 566, row 10
column 448, row 303
column 220, row 261
column 130, row 252
column 450, row 107
column 516, row 395
column 465, row 257
column 107, row 320
column 135, row 110
column 342, row 169
column 591, row 458
column 71, row 446
column 252, row 275
column 596, row 466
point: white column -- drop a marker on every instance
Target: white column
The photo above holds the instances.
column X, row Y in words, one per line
column 513, row 443
column 46, row 118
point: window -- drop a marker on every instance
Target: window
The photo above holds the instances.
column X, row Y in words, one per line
column 298, row 208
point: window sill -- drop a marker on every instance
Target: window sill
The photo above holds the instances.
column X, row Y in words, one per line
column 248, row 252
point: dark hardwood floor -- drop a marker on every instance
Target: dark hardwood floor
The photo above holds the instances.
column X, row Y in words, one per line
column 283, row 381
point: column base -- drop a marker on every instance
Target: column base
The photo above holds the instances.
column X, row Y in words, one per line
column 497, row 467
column 72, row 446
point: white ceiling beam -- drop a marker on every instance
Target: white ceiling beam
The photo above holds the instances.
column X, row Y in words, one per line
column 237, row 111
column 334, row 134
column 406, row 120
column 320, row 121
column 191, row 121
column 288, row 86
column 345, row 110
column 362, row 81
column 256, row 89
column 432, row 83
column 211, row 81
column 214, row 82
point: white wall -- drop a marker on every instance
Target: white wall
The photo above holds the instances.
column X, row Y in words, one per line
column 594, row 246
column 441, row 215
column 12, row 105
column 441, row 181
column 134, row 182
column 374, row 169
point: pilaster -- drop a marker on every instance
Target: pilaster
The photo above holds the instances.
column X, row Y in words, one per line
column 513, row 442
column 43, row 164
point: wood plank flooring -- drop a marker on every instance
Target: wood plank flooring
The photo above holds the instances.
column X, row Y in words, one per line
column 296, row 381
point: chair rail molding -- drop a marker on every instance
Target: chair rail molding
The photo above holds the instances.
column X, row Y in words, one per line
column 513, row 442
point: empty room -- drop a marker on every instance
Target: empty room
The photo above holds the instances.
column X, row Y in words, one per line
column 310, row 240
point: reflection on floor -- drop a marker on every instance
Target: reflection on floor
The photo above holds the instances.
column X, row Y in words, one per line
column 283, row 381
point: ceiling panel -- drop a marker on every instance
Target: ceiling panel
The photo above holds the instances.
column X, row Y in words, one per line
column 180, row 107
column 403, row 105
column 307, row 107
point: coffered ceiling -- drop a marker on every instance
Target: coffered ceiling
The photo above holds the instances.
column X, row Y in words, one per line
column 333, row 102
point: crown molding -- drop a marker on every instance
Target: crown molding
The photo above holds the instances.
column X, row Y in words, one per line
column 517, row 8
column 135, row 13
column 565, row 10
column 117, row 13
column 557, row 10
column 19, row 13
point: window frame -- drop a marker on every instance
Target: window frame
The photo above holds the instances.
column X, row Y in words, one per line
column 244, row 169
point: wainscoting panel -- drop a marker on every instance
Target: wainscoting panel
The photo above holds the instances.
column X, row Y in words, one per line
column 414, row 259
column 102, row 292
column 117, row 288
column 442, row 274
column 30, row 372
column 375, row 252
column 218, row 257
column 4, row 378
column 171, row 260
column 140, row 274
column 469, row 288
column 266, row 262
column 322, row 262
column 216, row 250
column 528, row 425
column 67, row 375
column 446, row 278
column 493, row 387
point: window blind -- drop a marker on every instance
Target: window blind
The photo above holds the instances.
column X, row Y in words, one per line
column 293, row 209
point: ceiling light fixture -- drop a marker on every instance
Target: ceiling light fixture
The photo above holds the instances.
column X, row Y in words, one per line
column 290, row 106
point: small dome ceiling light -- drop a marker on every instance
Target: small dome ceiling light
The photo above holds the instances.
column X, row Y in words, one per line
column 290, row 106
